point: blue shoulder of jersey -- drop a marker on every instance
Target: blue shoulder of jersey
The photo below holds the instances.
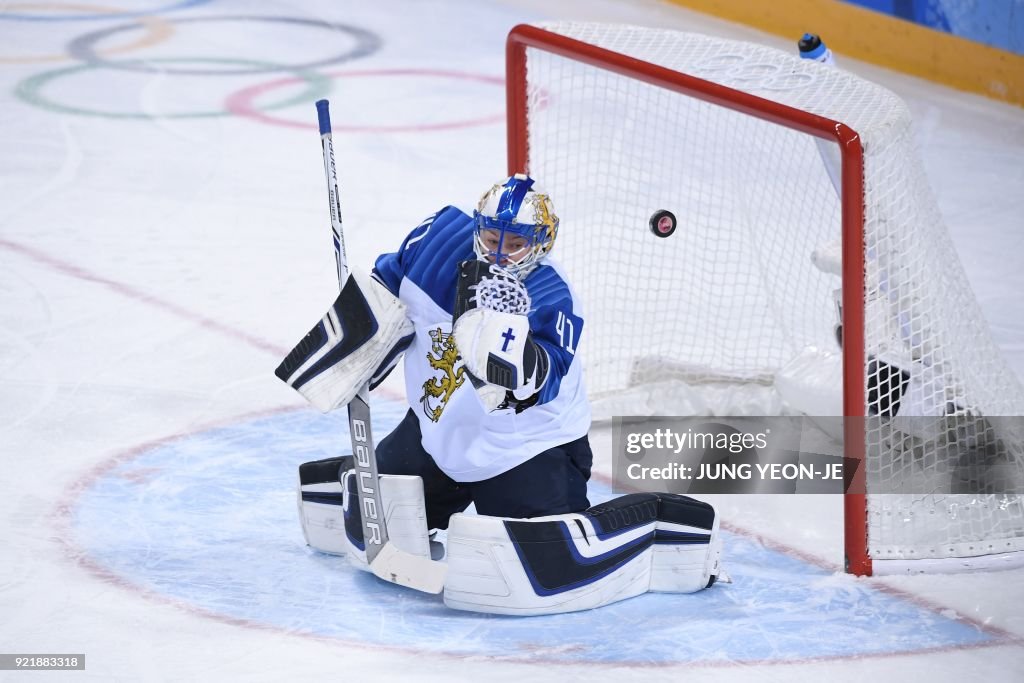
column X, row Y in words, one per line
column 429, row 256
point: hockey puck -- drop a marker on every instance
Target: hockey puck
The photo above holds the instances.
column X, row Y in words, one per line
column 663, row 223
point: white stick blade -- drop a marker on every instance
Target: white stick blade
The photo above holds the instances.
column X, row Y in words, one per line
column 411, row 571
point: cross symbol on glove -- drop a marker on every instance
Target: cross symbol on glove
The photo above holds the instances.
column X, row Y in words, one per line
column 508, row 337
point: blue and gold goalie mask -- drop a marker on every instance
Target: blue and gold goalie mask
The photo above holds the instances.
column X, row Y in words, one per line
column 524, row 221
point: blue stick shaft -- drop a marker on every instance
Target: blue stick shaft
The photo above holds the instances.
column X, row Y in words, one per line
column 340, row 256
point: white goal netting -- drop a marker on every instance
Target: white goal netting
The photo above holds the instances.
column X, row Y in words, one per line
column 706, row 320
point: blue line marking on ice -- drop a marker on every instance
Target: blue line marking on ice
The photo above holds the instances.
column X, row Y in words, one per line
column 210, row 519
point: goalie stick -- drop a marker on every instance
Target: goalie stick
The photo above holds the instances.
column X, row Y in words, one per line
column 386, row 561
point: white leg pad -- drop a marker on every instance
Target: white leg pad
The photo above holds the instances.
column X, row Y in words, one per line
column 322, row 518
column 405, row 514
column 685, row 568
column 564, row 563
column 486, row 574
column 323, row 510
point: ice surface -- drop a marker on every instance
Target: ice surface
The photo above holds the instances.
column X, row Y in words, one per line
column 162, row 246
column 252, row 566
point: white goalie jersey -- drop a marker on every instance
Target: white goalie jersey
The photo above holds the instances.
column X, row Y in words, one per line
column 467, row 441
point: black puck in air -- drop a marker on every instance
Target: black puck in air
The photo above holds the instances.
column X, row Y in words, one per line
column 663, row 223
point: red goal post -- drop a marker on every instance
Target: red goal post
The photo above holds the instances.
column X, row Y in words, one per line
column 866, row 287
column 523, row 36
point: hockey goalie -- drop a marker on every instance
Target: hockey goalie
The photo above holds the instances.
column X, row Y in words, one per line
column 498, row 418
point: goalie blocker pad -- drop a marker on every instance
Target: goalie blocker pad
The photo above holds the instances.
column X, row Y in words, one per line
column 641, row 542
column 359, row 340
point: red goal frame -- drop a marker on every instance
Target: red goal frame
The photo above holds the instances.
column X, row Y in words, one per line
column 525, row 36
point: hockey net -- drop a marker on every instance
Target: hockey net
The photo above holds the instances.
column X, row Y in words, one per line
column 617, row 122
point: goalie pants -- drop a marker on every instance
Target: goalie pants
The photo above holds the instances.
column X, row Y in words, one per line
column 552, row 482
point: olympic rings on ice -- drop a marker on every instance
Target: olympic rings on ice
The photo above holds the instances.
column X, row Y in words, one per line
column 364, row 43
column 30, row 90
column 157, row 30
column 14, row 16
column 242, row 102
column 92, row 50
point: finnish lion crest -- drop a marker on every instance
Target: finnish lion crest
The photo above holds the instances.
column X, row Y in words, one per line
column 437, row 390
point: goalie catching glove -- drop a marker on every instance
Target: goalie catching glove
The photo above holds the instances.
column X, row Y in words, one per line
column 359, row 340
column 492, row 331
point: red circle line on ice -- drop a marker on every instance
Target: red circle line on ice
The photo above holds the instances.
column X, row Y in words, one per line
column 241, row 102
column 510, row 640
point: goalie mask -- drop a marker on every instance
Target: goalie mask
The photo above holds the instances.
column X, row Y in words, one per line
column 515, row 225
